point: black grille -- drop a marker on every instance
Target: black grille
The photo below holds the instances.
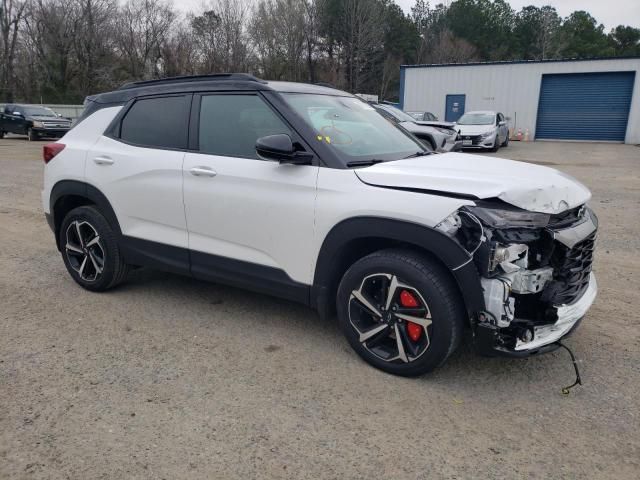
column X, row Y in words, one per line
column 572, row 267
column 475, row 139
column 54, row 124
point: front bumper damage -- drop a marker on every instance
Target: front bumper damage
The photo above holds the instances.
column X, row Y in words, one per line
column 488, row 341
column 539, row 290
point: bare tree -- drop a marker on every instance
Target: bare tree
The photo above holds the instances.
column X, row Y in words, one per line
column 312, row 37
column 362, row 38
column 11, row 15
column 93, row 43
column 143, row 29
column 178, row 52
column 278, row 29
column 221, row 38
column 447, row 48
column 390, row 69
column 52, row 28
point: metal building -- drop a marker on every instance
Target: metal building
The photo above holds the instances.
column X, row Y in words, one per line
column 583, row 100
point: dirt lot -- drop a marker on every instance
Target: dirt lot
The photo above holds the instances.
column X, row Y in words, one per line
column 168, row 377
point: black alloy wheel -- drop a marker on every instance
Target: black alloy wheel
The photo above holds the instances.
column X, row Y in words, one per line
column 90, row 250
column 401, row 311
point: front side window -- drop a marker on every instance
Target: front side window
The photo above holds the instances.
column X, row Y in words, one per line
column 353, row 128
column 231, row 124
column 157, row 122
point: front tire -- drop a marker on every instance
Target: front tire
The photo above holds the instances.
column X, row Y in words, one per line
column 90, row 250
column 506, row 141
column 31, row 135
column 400, row 311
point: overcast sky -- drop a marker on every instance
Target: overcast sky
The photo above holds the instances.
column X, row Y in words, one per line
column 611, row 13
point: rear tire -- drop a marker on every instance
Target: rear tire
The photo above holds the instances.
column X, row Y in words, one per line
column 90, row 250
column 370, row 305
column 1, row 134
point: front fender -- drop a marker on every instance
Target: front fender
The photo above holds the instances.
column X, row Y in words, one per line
column 444, row 248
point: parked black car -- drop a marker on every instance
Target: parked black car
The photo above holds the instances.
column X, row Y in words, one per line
column 33, row 121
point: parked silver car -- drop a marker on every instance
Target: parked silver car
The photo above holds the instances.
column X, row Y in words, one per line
column 439, row 138
column 485, row 130
column 424, row 116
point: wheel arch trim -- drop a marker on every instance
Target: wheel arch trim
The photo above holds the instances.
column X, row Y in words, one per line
column 65, row 188
column 447, row 250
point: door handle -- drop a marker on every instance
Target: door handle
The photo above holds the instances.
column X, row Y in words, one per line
column 103, row 161
column 202, row 172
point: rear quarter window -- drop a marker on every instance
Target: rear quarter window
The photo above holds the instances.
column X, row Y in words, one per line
column 157, row 122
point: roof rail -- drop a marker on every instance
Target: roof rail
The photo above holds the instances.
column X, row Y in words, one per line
column 193, row 78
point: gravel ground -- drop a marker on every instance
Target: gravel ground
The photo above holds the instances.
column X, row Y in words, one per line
column 168, row 377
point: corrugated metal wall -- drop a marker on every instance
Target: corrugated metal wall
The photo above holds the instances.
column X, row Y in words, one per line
column 585, row 106
column 511, row 88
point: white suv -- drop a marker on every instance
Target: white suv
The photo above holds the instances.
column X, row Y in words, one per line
column 307, row 193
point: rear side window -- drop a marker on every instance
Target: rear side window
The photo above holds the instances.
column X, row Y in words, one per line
column 231, row 124
column 157, row 122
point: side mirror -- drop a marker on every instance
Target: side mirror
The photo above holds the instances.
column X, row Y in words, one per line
column 17, row 114
column 502, row 123
column 279, row 148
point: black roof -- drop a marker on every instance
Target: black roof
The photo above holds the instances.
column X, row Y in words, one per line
column 213, row 82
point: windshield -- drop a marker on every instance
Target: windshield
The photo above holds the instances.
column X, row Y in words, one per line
column 353, row 128
column 39, row 111
column 477, row 119
column 398, row 114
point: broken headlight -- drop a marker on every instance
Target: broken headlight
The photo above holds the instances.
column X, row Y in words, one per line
column 499, row 218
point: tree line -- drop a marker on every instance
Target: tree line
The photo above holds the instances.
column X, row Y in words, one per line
column 59, row 51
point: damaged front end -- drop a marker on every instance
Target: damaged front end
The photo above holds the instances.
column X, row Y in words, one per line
column 535, row 272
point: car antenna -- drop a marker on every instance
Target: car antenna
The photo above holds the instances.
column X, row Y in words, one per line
column 566, row 390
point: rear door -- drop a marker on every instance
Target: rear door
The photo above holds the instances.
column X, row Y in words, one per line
column 137, row 165
column 250, row 220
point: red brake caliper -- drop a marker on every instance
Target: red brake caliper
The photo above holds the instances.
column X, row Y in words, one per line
column 408, row 300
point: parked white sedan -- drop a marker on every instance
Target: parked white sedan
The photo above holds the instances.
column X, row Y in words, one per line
column 483, row 130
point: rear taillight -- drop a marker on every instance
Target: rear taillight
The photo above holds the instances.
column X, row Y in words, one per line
column 50, row 150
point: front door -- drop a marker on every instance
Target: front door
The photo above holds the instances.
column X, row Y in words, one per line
column 503, row 128
column 454, row 107
column 250, row 220
column 15, row 119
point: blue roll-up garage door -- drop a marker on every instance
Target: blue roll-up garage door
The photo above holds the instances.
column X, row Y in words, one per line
column 585, row 106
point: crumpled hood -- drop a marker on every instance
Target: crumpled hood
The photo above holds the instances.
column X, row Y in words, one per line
column 524, row 185
column 415, row 128
column 474, row 129
column 436, row 124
